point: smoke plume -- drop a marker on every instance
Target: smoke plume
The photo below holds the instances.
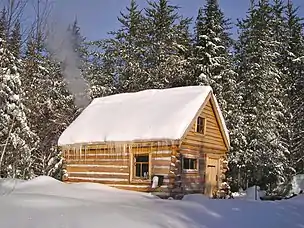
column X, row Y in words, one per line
column 60, row 43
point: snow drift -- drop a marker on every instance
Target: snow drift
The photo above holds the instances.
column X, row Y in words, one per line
column 45, row 202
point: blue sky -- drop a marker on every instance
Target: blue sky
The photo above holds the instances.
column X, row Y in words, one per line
column 97, row 17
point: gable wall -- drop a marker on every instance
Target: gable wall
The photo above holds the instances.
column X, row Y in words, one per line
column 201, row 146
column 212, row 140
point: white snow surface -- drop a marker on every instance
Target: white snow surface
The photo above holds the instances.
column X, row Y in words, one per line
column 45, row 202
column 157, row 114
column 297, row 184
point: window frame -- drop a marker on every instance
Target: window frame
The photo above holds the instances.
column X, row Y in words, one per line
column 141, row 166
column 132, row 173
column 190, row 169
column 201, row 127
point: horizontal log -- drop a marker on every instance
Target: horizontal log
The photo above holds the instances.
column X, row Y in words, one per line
column 162, row 158
column 96, row 157
column 98, row 180
column 101, row 175
column 100, row 162
column 156, row 163
column 158, row 170
column 206, row 140
column 192, row 145
column 101, row 168
column 209, row 133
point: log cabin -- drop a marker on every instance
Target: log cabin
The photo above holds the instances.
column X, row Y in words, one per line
column 169, row 142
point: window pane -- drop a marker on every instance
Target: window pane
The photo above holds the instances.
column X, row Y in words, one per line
column 186, row 163
column 142, row 158
column 192, row 164
column 137, row 170
column 200, row 125
column 145, row 170
column 189, row 163
column 199, row 121
column 141, row 166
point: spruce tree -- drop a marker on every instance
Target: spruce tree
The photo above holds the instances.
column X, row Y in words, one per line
column 293, row 84
column 167, row 46
column 262, row 152
column 17, row 141
column 128, row 50
column 52, row 106
column 3, row 24
column 213, row 63
column 15, row 40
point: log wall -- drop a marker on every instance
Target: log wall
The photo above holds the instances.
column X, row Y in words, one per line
column 111, row 164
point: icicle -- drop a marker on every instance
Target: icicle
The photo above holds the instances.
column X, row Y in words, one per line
column 85, row 153
column 68, row 155
column 75, row 153
column 96, row 149
column 106, row 151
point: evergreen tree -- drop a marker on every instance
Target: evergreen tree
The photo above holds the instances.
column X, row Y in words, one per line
column 128, row 42
column 213, row 62
column 3, row 24
column 126, row 52
column 52, row 107
column 292, row 64
column 17, row 141
column 15, row 40
column 261, row 154
column 78, row 43
column 213, row 65
column 167, row 45
column 100, row 71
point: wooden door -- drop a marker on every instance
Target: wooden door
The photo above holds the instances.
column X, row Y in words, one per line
column 211, row 183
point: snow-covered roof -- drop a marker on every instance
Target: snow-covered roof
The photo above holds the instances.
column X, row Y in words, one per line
column 157, row 114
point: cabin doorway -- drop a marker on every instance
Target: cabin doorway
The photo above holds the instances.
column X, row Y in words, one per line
column 211, row 176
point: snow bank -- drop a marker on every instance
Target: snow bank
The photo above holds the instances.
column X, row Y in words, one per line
column 146, row 115
column 297, row 184
column 44, row 202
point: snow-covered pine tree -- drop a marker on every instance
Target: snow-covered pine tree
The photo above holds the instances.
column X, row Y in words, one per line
column 52, row 106
column 3, row 24
column 128, row 49
column 212, row 51
column 293, row 66
column 261, row 156
column 213, row 65
column 17, row 141
column 100, row 68
column 167, row 46
column 14, row 40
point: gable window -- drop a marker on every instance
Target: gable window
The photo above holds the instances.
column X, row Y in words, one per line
column 200, row 125
column 141, row 166
column 189, row 163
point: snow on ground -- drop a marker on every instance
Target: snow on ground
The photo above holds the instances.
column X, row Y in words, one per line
column 45, row 202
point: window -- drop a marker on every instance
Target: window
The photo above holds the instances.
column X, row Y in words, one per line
column 200, row 125
column 141, row 166
column 189, row 163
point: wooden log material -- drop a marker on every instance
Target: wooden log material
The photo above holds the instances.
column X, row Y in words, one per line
column 198, row 146
column 112, row 164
